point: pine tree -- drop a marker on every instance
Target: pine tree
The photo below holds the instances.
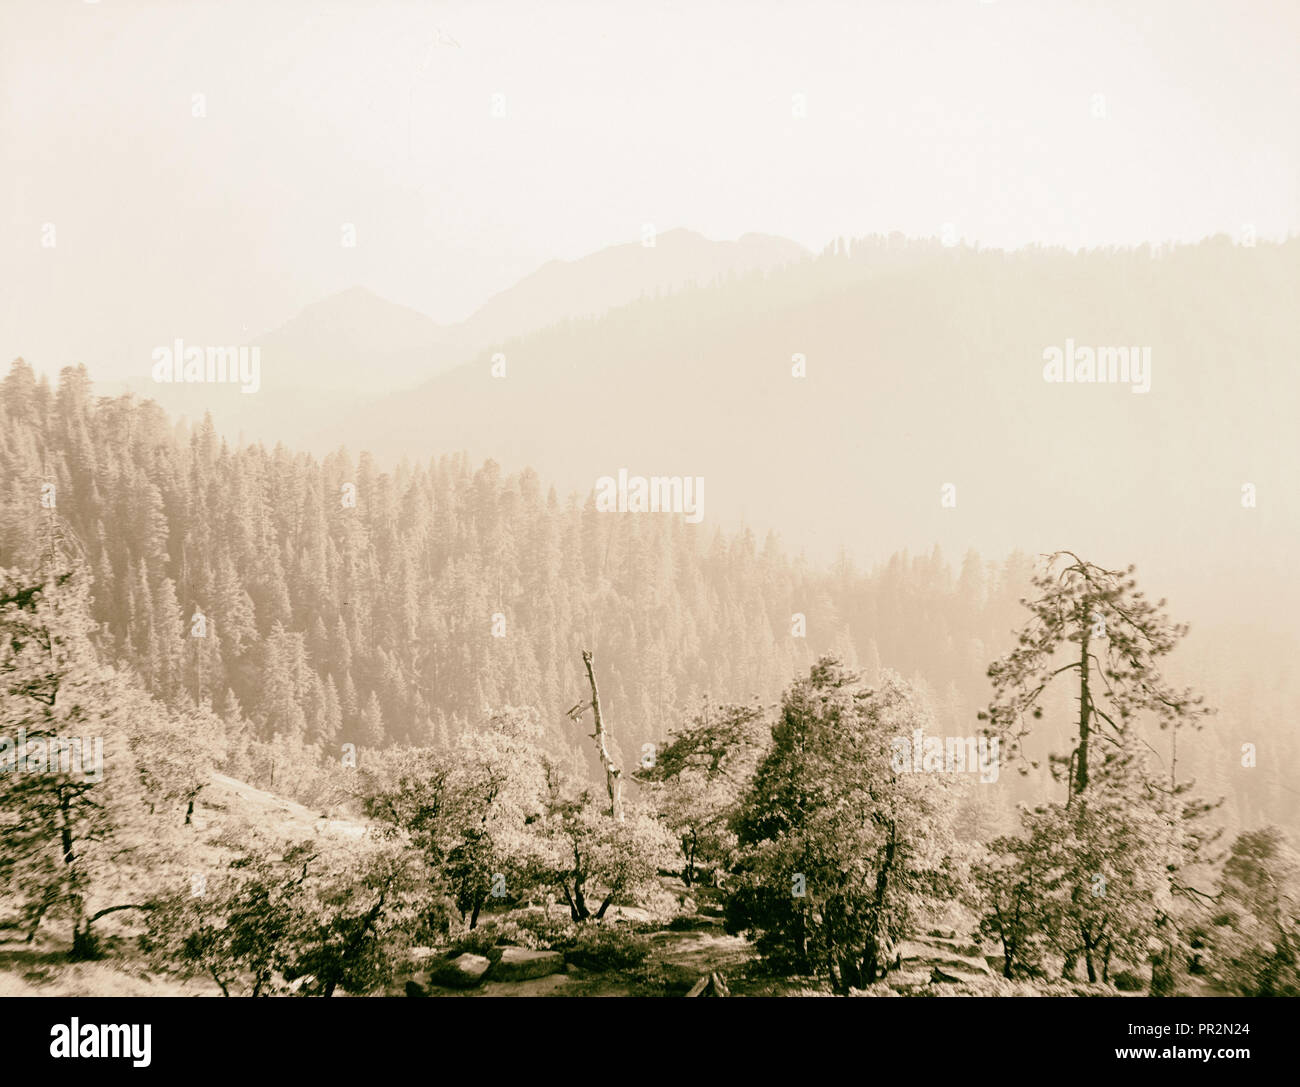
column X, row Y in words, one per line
column 371, row 732
column 1096, row 624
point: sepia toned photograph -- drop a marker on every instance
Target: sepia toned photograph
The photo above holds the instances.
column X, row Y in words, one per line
column 724, row 499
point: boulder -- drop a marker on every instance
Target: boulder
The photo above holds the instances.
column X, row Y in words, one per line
column 520, row 964
column 628, row 915
column 463, row 972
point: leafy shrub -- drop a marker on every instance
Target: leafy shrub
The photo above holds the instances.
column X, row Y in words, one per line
column 478, row 941
column 542, row 933
column 532, row 929
column 608, row 948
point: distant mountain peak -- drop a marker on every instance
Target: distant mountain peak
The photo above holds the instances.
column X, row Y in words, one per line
column 356, row 338
column 356, row 299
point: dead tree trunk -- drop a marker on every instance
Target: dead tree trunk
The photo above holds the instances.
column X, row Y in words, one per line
column 1085, row 706
column 613, row 775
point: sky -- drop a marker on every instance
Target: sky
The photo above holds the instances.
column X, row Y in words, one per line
column 469, row 143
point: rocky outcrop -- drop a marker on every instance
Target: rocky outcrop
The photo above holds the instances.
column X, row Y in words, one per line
column 463, row 972
column 521, row 964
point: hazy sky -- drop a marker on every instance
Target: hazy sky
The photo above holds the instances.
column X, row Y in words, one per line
column 919, row 113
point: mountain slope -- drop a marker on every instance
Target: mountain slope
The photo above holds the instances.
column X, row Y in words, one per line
column 349, row 340
column 925, row 366
column 564, row 290
column 355, row 346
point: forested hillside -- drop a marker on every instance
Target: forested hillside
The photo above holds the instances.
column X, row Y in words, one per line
column 325, row 602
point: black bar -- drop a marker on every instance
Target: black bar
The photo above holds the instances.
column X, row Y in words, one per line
column 607, row 1036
